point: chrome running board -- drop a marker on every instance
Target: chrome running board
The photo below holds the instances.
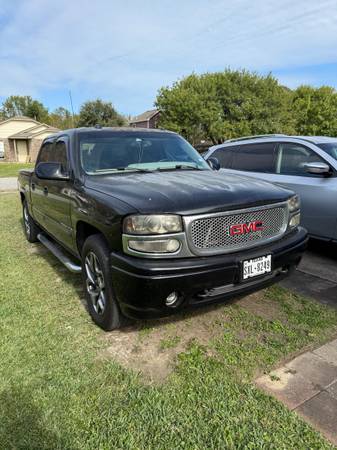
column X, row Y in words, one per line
column 57, row 251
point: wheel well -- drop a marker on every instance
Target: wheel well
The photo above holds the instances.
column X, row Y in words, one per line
column 83, row 231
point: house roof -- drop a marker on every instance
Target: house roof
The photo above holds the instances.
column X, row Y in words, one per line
column 20, row 118
column 147, row 115
column 31, row 132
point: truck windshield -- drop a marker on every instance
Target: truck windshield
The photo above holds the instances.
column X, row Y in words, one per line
column 330, row 149
column 105, row 152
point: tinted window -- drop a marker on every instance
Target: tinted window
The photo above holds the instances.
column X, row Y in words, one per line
column 292, row 159
column 224, row 156
column 254, row 158
column 330, row 149
column 45, row 152
column 59, row 153
column 54, row 152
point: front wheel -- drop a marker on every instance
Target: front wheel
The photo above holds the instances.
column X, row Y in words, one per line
column 101, row 300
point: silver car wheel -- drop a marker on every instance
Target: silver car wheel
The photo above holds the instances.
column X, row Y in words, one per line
column 26, row 220
column 95, row 283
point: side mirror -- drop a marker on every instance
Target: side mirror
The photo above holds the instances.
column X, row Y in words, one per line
column 213, row 163
column 51, row 171
column 317, row 168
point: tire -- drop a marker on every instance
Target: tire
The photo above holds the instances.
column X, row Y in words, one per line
column 31, row 230
column 97, row 282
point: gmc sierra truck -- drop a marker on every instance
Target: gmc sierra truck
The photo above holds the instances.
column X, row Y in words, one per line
column 151, row 226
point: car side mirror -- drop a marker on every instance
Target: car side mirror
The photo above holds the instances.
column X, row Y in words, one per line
column 51, row 171
column 317, row 168
column 213, row 163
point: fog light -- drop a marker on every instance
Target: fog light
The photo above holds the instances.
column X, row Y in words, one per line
column 295, row 221
column 171, row 299
column 155, row 246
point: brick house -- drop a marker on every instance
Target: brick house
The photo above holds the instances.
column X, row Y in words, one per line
column 21, row 138
column 149, row 119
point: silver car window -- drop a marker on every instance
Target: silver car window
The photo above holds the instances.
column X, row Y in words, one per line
column 292, row 158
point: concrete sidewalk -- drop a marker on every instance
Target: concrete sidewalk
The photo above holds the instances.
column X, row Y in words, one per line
column 308, row 385
column 316, row 276
column 8, row 184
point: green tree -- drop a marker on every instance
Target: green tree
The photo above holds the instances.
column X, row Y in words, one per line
column 24, row 105
column 61, row 118
column 98, row 112
column 222, row 105
column 315, row 110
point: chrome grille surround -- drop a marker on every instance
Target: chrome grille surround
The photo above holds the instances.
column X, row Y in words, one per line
column 208, row 234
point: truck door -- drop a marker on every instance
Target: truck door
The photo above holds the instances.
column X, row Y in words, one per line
column 53, row 197
column 37, row 185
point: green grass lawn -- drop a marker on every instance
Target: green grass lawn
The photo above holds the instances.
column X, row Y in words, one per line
column 57, row 393
column 12, row 169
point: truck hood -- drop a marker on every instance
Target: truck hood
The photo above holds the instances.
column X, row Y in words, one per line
column 186, row 192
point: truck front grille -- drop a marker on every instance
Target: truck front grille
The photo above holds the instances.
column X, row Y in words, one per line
column 232, row 231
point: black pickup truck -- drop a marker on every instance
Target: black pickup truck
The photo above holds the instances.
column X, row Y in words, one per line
column 152, row 227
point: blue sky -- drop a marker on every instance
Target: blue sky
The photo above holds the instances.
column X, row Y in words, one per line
column 125, row 51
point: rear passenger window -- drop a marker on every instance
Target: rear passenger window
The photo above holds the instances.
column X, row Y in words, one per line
column 224, row 156
column 292, row 159
column 255, row 158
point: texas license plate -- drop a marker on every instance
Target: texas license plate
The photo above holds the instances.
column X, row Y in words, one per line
column 254, row 267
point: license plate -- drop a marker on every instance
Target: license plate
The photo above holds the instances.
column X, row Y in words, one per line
column 254, row 267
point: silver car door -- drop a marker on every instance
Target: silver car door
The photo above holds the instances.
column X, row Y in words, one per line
column 318, row 193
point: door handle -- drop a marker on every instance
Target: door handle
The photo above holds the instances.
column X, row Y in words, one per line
column 33, row 186
column 45, row 190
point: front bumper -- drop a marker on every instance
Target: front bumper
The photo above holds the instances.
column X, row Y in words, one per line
column 142, row 285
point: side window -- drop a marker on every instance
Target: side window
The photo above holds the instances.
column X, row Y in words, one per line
column 255, row 158
column 54, row 152
column 292, row 158
column 224, row 156
column 59, row 153
column 45, row 152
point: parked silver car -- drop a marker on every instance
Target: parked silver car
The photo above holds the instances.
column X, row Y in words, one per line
column 305, row 164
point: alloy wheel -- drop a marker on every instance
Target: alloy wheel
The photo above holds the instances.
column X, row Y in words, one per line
column 26, row 220
column 95, row 283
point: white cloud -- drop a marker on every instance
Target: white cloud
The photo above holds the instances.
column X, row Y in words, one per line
column 126, row 50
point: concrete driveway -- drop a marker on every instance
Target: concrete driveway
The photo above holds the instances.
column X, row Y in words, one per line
column 8, row 184
column 316, row 276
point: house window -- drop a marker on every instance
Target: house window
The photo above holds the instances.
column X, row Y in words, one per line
column 2, row 149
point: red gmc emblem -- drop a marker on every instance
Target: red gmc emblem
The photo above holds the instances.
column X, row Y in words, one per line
column 245, row 228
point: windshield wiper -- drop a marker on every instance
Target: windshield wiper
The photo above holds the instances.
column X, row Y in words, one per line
column 136, row 169
column 122, row 169
column 180, row 167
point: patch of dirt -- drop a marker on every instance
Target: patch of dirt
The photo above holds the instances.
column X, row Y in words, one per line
column 151, row 347
column 260, row 305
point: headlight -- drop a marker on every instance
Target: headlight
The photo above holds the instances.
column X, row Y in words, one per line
column 294, row 203
column 152, row 224
column 155, row 246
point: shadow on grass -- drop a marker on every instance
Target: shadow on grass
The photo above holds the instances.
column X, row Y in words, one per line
column 23, row 425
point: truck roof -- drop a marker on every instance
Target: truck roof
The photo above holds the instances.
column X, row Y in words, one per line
column 76, row 131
